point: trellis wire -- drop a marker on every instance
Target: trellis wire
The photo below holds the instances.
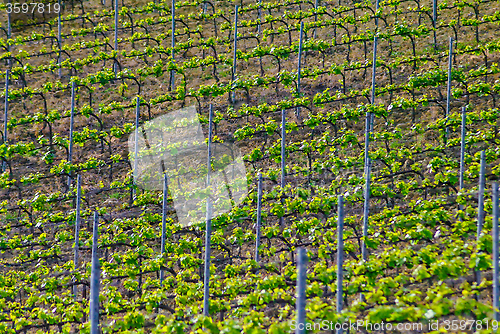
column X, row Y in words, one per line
column 94, row 280
column 163, row 221
column 136, row 142
column 233, row 76
column 448, row 88
column 434, row 20
column 340, row 254
column 6, row 112
column 77, row 226
column 299, row 67
column 480, row 204
column 283, row 157
column 116, row 34
column 259, row 218
column 172, row 72
column 71, row 125
column 59, row 42
column 208, row 232
column 301, row 290
column 496, row 303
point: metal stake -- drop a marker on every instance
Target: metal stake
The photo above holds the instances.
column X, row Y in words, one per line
column 163, row 221
column 94, row 280
column 340, row 254
column 448, row 89
column 480, row 204
column 233, row 76
column 301, row 290
column 208, row 232
column 299, row 67
column 496, row 302
column 172, row 72
column 77, row 227
column 71, row 126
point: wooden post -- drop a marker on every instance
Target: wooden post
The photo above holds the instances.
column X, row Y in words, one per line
column 301, row 290
column 94, row 280
column 208, row 232
column 340, row 254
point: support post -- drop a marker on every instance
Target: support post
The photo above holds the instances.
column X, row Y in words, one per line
column 6, row 112
column 235, row 45
column 116, row 35
column 71, row 129
column 301, row 290
column 366, row 207
column 59, row 41
column 208, row 232
column 434, row 21
column 448, row 88
column 496, row 303
column 172, row 72
column 76, row 259
column 136, row 143
column 480, row 205
column 259, row 16
column 340, row 255
column 163, row 221
column 259, row 218
column 299, row 65
column 9, row 33
column 94, row 280
column 283, row 157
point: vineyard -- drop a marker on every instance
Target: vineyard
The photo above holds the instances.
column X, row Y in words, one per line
column 370, row 149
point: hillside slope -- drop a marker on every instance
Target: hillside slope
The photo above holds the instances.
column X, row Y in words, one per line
column 423, row 251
